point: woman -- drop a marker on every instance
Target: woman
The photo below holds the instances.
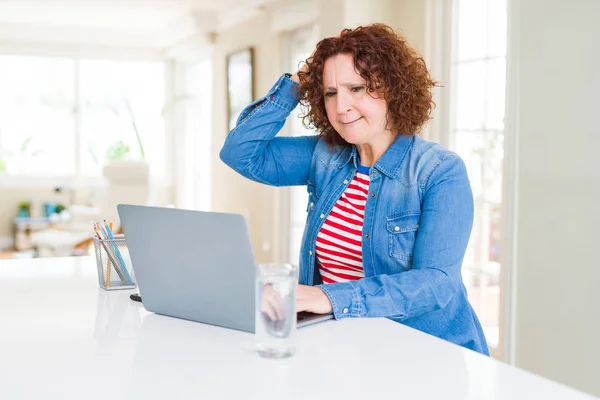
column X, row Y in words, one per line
column 389, row 214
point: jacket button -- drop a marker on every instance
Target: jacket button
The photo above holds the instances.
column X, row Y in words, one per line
column 310, row 252
column 312, row 205
column 322, row 216
column 367, row 236
column 373, row 195
column 345, row 181
column 396, row 228
column 345, row 311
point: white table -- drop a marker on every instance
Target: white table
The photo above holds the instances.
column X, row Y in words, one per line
column 61, row 337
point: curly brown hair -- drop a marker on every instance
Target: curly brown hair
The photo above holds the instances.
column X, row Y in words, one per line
column 391, row 67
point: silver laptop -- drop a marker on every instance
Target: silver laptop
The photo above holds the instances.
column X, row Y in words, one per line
column 195, row 265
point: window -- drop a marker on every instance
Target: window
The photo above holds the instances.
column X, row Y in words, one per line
column 477, row 135
column 37, row 124
column 301, row 43
column 119, row 102
column 68, row 117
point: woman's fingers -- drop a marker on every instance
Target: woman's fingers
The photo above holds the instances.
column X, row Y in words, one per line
column 313, row 299
column 272, row 304
column 276, row 306
column 269, row 312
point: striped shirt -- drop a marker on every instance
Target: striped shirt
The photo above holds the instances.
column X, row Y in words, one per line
column 339, row 241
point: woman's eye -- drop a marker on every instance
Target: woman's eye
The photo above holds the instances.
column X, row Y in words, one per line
column 357, row 89
column 329, row 94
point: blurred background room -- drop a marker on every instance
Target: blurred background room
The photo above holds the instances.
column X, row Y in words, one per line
column 129, row 101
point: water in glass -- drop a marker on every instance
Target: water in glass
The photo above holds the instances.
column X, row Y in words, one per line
column 276, row 286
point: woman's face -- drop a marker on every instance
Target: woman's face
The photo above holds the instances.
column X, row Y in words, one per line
column 355, row 114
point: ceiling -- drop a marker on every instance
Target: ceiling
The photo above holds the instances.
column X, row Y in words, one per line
column 160, row 21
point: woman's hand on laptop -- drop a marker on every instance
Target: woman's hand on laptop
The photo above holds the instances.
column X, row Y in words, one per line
column 312, row 299
column 272, row 304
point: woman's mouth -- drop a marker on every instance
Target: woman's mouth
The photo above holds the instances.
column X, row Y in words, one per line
column 351, row 122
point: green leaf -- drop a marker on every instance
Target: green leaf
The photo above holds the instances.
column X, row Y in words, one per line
column 25, row 144
column 135, row 129
column 118, row 151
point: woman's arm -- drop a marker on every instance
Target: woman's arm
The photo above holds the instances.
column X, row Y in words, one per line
column 252, row 149
column 435, row 277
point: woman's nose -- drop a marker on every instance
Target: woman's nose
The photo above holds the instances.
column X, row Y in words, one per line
column 344, row 103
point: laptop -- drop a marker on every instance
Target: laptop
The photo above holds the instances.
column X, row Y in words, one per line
column 195, row 265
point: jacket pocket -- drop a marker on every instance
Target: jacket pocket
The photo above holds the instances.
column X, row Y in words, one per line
column 402, row 232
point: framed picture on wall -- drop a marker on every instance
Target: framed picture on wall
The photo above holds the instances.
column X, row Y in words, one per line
column 240, row 83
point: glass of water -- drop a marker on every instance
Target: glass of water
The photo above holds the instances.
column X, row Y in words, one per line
column 276, row 285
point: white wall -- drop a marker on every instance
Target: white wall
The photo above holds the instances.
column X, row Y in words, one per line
column 554, row 103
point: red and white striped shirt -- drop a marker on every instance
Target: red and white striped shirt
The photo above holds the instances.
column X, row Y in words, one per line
column 339, row 241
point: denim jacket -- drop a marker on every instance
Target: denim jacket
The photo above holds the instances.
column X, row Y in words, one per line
column 417, row 220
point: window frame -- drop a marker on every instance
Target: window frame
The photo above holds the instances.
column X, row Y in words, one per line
column 288, row 241
column 441, row 37
column 78, row 53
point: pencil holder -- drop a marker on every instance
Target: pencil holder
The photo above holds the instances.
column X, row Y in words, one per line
column 114, row 264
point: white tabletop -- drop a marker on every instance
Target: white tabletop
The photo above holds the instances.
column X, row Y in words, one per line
column 62, row 337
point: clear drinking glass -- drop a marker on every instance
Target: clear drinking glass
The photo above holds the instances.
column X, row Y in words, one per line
column 276, row 285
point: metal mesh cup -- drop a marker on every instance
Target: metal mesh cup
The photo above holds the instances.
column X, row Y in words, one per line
column 114, row 264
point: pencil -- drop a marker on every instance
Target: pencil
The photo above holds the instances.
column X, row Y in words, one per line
column 117, row 257
column 108, row 267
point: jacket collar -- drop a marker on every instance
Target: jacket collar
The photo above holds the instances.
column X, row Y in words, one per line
column 389, row 164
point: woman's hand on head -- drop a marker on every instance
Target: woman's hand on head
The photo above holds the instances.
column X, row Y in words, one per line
column 312, row 299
